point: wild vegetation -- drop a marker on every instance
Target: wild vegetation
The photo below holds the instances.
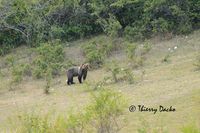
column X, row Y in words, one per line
column 35, row 21
column 101, row 115
column 139, row 51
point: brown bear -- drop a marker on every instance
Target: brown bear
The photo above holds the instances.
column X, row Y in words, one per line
column 80, row 71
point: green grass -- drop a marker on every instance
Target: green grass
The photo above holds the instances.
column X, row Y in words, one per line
column 175, row 83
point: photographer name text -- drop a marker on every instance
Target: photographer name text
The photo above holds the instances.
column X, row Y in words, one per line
column 154, row 110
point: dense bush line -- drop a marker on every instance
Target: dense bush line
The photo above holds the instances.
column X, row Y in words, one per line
column 34, row 21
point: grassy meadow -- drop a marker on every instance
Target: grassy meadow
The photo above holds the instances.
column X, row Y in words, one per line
column 168, row 77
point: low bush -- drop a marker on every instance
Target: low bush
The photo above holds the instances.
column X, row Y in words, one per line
column 114, row 68
column 48, row 78
column 102, row 115
column 20, row 71
column 5, row 49
column 119, row 73
column 96, row 52
column 111, row 26
column 134, row 33
column 34, row 123
column 10, row 60
column 49, row 62
column 190, row 128
column 137, row 54
column 50, row 55
column 106, row 108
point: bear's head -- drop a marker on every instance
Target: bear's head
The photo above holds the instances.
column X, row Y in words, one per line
column 84, row 68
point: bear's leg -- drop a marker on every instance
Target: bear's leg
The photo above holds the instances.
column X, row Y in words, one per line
column 72, row 81
column 69, row 81
column 79, row 79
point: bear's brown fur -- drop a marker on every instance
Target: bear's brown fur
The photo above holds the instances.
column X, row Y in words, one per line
column 80, row 71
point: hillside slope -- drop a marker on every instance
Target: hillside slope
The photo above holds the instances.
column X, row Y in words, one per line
column 174, row 83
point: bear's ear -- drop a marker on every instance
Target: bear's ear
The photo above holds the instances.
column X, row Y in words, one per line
column 82, row 65
column 86, row 66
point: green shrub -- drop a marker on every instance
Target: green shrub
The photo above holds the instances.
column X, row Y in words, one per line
column 191, row 128
column 106, row 108
column 118, row 73
column 96, row 52
column 128, row 75
column 100, row 84
column 34, row 123
column 10, row 60
column 79, row 122
column 111, row 26
column 114, row 68
column 56, row 32
column 19, row 71
column 48, row 78
column 102, row 115
column 132, row 53
column 134, row 33
column 137, row 54
column 5, row 49
column 131, row 50
column 50, row 55
column 160, row 25
column 38, row 72
column 146, row 48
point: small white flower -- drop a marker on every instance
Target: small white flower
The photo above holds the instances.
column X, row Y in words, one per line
column 175, row 47
column 169, row 49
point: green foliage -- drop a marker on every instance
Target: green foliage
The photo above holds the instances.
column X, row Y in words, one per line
column 145, row 127
column 49, row 62
column 134, row 33
column 128, row 75
column 114, row 68
column 50, row 56
column 48, row 78
column 160, row 25
column 4, row 49
column 34, row 123
column 191, row 128
column 137, row 54
column 96, row 53
column 101, row 115
column 19, row 71
column 131, row 50
column 79, row 122
column 10, row 60
column 35, row 21
column 107, row 106
column 119, row 73
column 111, row 26
column 102, row 83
